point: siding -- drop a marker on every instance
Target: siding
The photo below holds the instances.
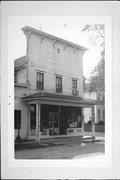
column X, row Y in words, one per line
column 43, row 56
column 19, row 105
column 21, row 76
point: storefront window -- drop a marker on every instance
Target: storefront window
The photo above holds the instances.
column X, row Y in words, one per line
column 75, row 121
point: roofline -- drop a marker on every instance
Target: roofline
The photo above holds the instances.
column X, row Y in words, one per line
column 46, row 96
column 39, row 32
column 18, row 68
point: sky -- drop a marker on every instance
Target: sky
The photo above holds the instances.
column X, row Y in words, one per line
column 63, row 27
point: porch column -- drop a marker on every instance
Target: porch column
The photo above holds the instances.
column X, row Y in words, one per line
column 38, row 117
column 93, row 122
column 82, row 117
column 28, row 125
column 59, row 119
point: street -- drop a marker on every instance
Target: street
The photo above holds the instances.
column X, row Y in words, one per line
column 68, row 151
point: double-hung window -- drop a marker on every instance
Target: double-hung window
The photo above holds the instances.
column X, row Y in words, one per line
column 40, row 81
column 58, row 84
column 74, row 86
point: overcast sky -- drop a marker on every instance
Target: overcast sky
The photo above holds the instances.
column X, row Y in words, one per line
column 62, row 27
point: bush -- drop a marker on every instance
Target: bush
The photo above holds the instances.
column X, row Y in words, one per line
column 90, row 122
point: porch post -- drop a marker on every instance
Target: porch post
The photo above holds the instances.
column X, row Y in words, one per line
column 28, row 125
column 82, row 117
column 93, row 122
column 59, row 119
column 39, row 112
column 38, row 109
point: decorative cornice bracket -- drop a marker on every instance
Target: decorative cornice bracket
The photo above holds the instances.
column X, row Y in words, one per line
column 43, row 37
column 54, row 41
column 83, row 51
column 27, row 34
column 75, row 48
column 65, row 46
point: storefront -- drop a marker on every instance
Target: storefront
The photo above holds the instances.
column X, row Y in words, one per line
column 56, row 115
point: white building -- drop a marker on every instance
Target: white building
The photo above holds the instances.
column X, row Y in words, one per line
column 99, row 108
column 49, row 88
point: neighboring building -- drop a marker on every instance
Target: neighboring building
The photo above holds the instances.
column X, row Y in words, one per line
column 99, row 108
column 49, row 87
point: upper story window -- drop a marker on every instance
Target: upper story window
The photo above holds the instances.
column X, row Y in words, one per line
column 40, row 81
column 58, row 84
column 74, row 87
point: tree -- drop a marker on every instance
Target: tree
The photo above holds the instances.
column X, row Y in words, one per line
column 97, row 38
column 96, row 80
column 96, row 34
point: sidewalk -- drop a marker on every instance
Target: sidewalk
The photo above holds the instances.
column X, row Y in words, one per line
column 45, row 143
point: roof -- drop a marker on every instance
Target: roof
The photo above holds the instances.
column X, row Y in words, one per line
column 20, row 62
column 39, row 32
column 60, row 99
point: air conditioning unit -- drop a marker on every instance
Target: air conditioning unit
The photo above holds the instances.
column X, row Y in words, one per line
column 75, row 92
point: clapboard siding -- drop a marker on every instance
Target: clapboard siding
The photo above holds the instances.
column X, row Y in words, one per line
column 43, row 56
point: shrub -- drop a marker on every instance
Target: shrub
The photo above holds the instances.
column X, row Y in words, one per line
column 90, row 122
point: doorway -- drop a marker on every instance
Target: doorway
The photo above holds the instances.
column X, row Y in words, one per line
column 32, row 119
column 53, row 123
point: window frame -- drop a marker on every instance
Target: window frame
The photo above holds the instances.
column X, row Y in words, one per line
column 41, row 85
column 74, row 88
column 59, row 87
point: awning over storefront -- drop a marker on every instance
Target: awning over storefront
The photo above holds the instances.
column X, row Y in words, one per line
column 59, row 99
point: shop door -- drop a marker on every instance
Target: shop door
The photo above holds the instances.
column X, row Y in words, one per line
column 53, row 123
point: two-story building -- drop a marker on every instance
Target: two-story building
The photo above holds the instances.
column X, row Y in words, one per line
column 49, row 88
column 99, row 108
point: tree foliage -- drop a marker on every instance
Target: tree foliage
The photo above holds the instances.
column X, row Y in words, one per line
column 97, row 38
column 96, row 80
column 96, row 34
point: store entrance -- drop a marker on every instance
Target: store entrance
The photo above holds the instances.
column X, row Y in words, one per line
column 53, row 123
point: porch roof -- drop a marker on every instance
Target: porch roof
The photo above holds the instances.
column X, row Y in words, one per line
column 60, row 99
